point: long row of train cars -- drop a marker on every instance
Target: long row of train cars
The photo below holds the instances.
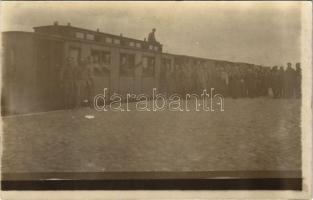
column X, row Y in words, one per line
column 32, row 62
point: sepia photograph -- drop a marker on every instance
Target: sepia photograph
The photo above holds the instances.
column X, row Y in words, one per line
column 156, row 96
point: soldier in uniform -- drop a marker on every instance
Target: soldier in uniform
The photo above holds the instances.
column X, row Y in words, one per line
column 187, row 78
column 290, row 81
column 238, row 83
column 224, row 81
column 232, row 82
column 267, row 80
column 281, row 82
column 170, row 76
column 163, row 79
column 67, row 84
column 275, row 81
column 151, row 36
column 88, row 82
column 251, row 82
column 195, row 80
column 204, row 77
column 298, row 80
column 179, row 78
column 79, row 83
column 214, row 78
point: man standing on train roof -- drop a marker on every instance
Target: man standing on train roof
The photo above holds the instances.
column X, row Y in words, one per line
column 151, row 36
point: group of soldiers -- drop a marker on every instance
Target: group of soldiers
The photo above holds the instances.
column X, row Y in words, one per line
column 233, row 81
column 77, row 81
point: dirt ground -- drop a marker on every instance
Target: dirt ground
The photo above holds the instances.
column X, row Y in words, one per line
column 251, row 134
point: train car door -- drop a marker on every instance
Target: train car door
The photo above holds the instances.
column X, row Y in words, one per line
column 57, row 62
column 49, row 62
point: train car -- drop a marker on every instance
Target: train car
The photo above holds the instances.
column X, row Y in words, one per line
column 33, row 62
column 29, row 72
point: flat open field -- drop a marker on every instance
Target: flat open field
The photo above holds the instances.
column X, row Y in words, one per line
column 251, row 134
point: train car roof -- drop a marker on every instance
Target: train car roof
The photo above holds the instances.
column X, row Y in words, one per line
column 88, row 30
column 116, row 36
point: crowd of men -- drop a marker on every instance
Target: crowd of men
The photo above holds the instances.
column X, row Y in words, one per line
column 77, row 81
column 234, row 81
column 78, row 85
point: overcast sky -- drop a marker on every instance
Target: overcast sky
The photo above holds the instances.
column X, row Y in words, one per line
column 266, row 33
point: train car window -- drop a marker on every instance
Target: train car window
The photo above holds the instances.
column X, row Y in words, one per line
column 117, row 41
column 96, row 55
column 75, row 54
column 166, row 62
column 202, row 62
column 151, row 47
column 138, row 45
column 106, row 57
column 131, row 44
column 90, row 36
column 148, row 66
column 101, row 56
column 108, row 40
column 127, row 64
column 99, row 38
column 79, row 35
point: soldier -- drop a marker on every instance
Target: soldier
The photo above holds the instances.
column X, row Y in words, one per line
column 298, row 80
column 170, row 76
column 195, row 80
column 151, row 36
column 67, row 84
column 224, row 81
column 290, row 81
column 95, row 66
column 202, row 77
column 187, row 78
column 209, row 78
column 213, row 78
column 275, row 82
column 79, row 82
column 237, row 82
column 267, row 80
column 242, row 83
column 281, row 82
column 179, row 78
column 250, row 80
column 256, row 82
column 232, row 83
column 88, row 82
column 163, row 84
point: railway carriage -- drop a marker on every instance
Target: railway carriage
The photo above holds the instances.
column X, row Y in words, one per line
column 33, row 61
